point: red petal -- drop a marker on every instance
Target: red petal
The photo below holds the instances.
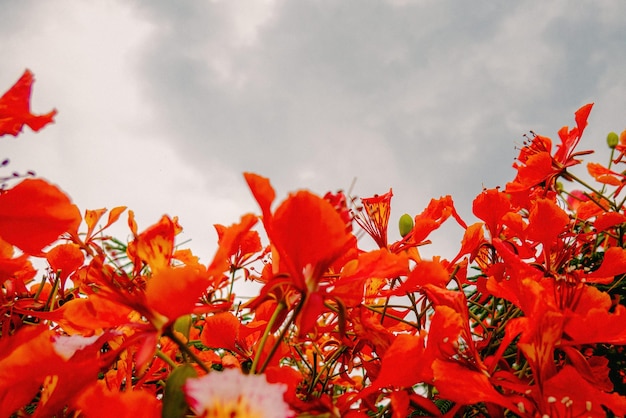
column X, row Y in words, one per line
column 614, row 263
column 15, row 108
column 581, row 116
column 472, row 239
column 221, row 331
column 426, row 272
column 546, row 221
column 435, row 214
column 403, row 364
column 34, row 213
column 460, row 384
column 538, row 167
column 308, row 233
column 65, row 259
column 490, row 206
column 263, row 192
column 26, row 358
column 607, row 220
column 586, row 399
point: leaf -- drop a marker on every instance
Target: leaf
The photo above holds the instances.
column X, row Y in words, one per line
column 174, row 403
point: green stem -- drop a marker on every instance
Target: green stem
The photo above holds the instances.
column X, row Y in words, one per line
column 584, row 184
column 53, row 293
column 266, row 333
column 185, row 349
column 281, row 337
column 160, row 354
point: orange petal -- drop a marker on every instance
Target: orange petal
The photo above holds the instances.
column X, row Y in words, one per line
column 65, row 259
column 128, row 404
column 174, row 291
column 231, row 240
column 426, row 272
column 155, row 246
column 26, row 358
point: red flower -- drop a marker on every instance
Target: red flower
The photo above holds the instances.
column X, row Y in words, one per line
column 15, row 108
column 307, row 236
column 431, row 218
column 537, row 165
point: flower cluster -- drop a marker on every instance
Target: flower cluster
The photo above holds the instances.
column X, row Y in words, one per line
column 528, row 319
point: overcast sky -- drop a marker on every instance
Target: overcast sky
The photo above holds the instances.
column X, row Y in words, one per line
column 163, row 104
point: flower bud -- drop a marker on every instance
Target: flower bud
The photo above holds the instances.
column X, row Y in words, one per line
column 405, row 224
column 559, row 187
column 612, row 140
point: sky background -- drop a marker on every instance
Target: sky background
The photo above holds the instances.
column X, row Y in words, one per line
column 162, row 105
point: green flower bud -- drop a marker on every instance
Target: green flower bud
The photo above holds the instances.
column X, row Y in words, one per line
column 612, row 140
column 559, row 187
column 183, row 325
column 405, row 224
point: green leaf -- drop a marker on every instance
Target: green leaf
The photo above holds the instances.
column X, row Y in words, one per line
column 174, row 404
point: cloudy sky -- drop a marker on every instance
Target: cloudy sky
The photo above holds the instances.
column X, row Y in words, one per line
column 162, row 105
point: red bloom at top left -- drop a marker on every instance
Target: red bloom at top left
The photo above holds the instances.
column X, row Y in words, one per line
column 15, row 108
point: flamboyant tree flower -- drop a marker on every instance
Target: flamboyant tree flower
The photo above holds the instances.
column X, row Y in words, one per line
column 36, row 360
column 607, row 176
column 15, row 108
column 458, row 370
column 308, row 236
column 536, row 165
column 432, row 217
column 232, row 394
column 373, row 217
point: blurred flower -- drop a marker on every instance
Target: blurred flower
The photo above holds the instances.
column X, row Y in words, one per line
column 232, row 394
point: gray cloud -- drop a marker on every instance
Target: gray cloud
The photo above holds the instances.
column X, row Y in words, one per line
column 427, row 97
